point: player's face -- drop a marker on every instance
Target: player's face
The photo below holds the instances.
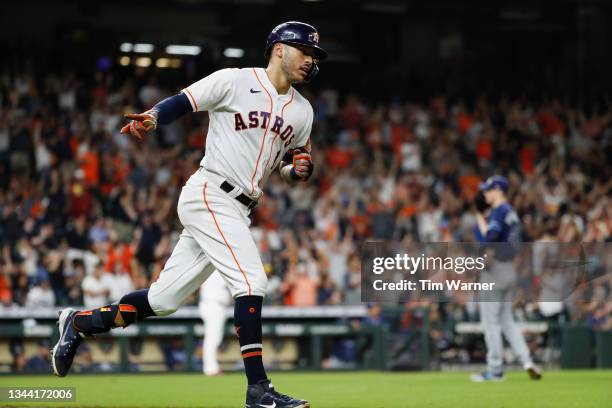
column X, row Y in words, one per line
column 296, row 62
column 492, row 196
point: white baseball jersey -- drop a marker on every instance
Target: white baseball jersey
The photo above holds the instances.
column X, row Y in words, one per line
column 251, row 126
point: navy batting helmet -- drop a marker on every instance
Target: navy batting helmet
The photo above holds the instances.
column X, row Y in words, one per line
column 495, row 182
column 297, row 33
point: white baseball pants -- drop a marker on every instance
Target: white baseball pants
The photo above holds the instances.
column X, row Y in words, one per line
column 216, row 235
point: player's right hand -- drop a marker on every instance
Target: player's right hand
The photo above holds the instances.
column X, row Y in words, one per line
column 141, row 123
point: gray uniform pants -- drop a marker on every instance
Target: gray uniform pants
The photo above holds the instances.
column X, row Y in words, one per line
column 497, row 318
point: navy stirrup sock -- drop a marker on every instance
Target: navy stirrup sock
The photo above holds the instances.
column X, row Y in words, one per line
column 133, row 306
column 247, row 322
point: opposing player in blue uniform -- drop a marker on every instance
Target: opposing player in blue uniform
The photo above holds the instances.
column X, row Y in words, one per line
column 502, row 229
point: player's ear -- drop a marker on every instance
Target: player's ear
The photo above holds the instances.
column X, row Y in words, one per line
column 279, row 49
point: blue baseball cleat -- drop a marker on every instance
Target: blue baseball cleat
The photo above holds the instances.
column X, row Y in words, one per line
column 263, row 395
column 487, row 376
column 64, row 351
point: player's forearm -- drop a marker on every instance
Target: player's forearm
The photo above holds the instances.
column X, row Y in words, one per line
column 482, row 224
column 172, row 108
column 288, row 174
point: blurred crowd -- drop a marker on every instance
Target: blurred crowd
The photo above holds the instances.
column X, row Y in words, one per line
column 87, row 214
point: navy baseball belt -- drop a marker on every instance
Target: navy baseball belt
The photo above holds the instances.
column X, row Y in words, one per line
column 230, row 188
column 243, row 198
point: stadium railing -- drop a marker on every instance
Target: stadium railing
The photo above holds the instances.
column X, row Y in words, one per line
column 298, row 338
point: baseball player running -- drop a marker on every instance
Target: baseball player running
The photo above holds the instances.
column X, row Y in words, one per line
column 214, row 299
column 502, row 225
column 258, row 123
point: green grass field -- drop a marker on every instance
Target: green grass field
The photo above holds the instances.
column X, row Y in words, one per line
column 332, row 390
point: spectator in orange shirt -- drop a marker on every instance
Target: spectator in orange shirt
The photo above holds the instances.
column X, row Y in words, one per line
column 6, row 296
column 301, row 288
column 90, row 164
column 464, row 121
column 469, row 183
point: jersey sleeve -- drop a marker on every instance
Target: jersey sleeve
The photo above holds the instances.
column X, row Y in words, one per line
column 213, row 92
column 494, row 225
column 496, row 220
column 302, row 137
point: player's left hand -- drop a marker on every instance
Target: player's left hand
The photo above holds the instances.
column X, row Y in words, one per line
column 141, row 123
column 302, row 165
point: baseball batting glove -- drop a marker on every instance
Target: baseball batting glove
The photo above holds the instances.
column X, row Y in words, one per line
column 141, row 123
column 302, row 166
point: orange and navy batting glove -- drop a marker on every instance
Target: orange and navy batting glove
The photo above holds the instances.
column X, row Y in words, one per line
column 302, row 166
column 141, row 123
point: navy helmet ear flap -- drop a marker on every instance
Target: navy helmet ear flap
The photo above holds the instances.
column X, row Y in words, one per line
column 314, row 70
